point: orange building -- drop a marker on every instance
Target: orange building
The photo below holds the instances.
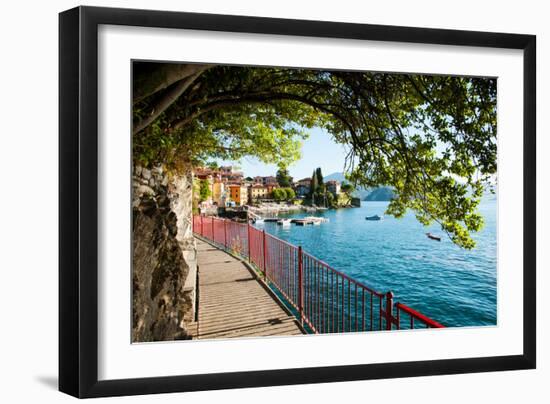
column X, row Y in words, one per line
column 238, row 194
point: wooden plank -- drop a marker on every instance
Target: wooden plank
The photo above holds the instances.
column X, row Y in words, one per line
column 244, row 324
column 241, row 323
column 253, row 332
column 233, row 303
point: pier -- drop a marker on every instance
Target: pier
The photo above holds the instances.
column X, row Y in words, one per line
column 311, row 220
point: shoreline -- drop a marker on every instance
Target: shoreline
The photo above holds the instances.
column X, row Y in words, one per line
column 281, row 208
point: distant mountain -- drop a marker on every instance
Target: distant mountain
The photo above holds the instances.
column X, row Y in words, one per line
column 380, row 194
column 386, row 193
column 365, row 194
column 335, row 176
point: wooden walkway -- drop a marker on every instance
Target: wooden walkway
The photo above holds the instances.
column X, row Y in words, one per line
column 233, row 303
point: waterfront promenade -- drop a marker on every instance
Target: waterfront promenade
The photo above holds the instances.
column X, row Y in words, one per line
column 323, row 299
column 233, row 302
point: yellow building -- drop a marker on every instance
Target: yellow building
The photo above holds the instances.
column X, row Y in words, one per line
column 238, row 194
column 218, row 189
column 258, row 192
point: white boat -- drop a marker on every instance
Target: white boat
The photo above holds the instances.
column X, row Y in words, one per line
column 316, row 220
column 259, row 221
column 284, row 222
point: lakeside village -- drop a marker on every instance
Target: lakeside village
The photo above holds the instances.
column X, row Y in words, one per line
column 226, row 192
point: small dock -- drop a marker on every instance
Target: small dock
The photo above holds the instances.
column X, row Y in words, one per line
column 309, row 220
column 233, row 302
column 301, row 221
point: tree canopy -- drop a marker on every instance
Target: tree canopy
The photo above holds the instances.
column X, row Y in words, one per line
column 347, row 188
column 283, row 177
column 290, row 194
column 314, row 185
column 317, row 190
column 279, row 194
column 204, row 190
column 320, row 179
column 283, row 194
column 431, row 138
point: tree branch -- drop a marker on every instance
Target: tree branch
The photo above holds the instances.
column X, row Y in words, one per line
column 151, row 81
column 261, row 98
column 168, row 99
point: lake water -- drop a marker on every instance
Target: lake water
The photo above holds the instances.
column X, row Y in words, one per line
column 451, row 285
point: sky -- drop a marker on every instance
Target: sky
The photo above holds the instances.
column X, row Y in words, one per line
column 318, row 150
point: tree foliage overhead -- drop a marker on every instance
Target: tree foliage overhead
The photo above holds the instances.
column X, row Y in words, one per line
column 431, row 138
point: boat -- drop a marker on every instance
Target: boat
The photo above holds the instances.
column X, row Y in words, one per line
column 259, row 221
column 284, row 222
column 316, row 220
column 433, row 237
column 373, row 217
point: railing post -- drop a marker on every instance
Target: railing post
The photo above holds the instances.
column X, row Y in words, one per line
column 264, row 253
column 300, row 285
column 248, row 240
column 389, row 310
column 225, row 233
column 202, row 226
column 213, row 238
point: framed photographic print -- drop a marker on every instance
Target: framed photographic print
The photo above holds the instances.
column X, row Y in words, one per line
column 250, row 201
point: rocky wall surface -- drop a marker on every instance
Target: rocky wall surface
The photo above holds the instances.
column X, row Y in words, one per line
column 164, row 257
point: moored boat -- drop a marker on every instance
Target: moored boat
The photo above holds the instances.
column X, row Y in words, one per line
column 374, row 217
column 316, row 219
column 284, row 222
column 433, row 237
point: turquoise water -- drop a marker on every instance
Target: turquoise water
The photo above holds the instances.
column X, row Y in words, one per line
column 451, row 285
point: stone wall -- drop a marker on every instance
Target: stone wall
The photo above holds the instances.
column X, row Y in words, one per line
column 164, row 256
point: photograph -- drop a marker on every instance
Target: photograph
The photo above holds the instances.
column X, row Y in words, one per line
column 272, row 201
column 258, row 202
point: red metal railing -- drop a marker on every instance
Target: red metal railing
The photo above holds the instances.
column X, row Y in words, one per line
column 324, row 299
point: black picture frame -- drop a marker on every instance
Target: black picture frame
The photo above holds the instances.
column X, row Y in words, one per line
column 78, row 201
